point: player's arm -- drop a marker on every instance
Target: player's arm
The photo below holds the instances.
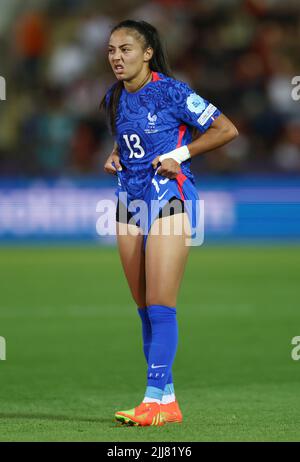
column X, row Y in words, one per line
column 112, row 163
column 221, row 131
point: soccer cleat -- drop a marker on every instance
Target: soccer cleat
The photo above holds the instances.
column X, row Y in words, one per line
column 143, row 415
column 171, row 412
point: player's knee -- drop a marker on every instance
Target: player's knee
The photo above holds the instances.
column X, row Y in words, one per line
column 139, row 299
column 164, row 300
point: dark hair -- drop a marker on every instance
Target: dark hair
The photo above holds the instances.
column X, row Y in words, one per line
column 158, row 63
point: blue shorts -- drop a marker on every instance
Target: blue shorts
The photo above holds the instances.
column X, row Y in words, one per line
column 155, row 197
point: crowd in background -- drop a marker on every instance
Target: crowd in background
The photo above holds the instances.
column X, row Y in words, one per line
column 239, row 54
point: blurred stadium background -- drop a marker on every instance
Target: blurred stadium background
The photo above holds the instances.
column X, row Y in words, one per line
column 60, row 309
column 242, row 55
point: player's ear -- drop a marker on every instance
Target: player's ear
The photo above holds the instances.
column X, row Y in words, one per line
column 148, row 53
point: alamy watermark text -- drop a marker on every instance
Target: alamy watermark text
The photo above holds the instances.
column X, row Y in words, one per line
column 2, row 349
column 2, row 88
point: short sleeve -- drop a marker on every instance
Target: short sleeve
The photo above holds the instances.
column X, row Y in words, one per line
column 191, row 108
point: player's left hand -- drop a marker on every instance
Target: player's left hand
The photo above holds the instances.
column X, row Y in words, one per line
column 169, row 167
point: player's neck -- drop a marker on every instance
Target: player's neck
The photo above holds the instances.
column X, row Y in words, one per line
column 139, row 82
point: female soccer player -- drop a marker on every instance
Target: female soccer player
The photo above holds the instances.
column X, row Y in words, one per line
column 152, row 117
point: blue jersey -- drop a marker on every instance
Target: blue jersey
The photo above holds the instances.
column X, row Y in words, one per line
column 155, row 120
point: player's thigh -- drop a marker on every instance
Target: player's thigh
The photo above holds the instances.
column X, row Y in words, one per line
column 130, row 245
column 167, row 251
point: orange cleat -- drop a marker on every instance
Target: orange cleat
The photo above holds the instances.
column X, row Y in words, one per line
column 143, row 415
column 171, row 412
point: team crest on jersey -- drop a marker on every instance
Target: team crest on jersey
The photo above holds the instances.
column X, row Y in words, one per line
column 151, row 123
column 195, row 103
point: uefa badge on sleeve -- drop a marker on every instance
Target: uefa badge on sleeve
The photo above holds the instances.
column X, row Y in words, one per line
column 195, row 103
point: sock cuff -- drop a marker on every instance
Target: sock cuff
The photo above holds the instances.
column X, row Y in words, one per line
column 161, row 314
column 169, row 389
column 161, row 307
column 154, row 392
column 166, row 399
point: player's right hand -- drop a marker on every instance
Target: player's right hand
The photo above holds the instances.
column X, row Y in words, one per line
column 112, row 163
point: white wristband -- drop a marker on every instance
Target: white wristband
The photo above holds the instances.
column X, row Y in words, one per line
column 180, row 155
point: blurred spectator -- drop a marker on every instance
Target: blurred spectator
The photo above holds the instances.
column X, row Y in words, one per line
column 94, row 31
column 82, row 97
column 30, row 45
column 85, row 145
column 279, row 87
column 287, row 152
column 68, row 63
column 52, row 131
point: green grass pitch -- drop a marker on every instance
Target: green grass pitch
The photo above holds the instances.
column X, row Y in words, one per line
column 74, row 348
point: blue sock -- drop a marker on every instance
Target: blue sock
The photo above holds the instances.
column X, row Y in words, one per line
column 163, row 348
column 146, row 331
column 147, row 337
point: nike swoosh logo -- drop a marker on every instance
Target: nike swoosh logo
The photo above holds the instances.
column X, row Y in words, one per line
column 160, row 197
column 155, row 367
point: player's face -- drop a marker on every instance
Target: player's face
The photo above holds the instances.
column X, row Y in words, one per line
column 126, row 55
